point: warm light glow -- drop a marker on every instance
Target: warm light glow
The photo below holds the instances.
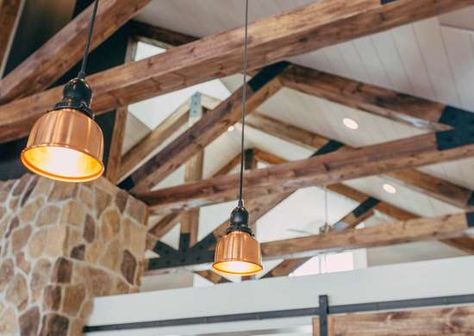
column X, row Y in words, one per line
column 389, row 188
column 238, row 253
column 231, row 129
column 237, row 267
column 62, row 163
column 350, row 123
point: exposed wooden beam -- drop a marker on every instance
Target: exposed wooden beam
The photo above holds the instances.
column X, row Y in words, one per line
column 465, row 243
column 286, row 131
column 414, row 111
column 273, row 39
column 65, row 49
column 362, row 212
column 114, row 161
column 159, row 36
column 414, row 230
column 445, row 227
column 148, row 145
column 139, row 152
column 166, row 224
column 212, row 277
column 416, row 180
column 10, row 11
column 193, row 171
column 323, row 170
column 212, row 125
column 439, row 321
column 435, row 187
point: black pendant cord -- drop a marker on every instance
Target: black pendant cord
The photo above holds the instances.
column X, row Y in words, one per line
column 82, row 72
column 243, row 109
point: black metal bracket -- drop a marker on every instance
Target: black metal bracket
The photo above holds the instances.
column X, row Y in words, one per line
column 323, row 315
column 202, row 252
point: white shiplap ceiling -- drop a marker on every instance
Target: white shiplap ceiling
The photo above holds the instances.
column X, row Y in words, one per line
column 433, row 59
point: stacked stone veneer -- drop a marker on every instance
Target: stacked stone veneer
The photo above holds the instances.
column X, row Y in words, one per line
column 61, row 245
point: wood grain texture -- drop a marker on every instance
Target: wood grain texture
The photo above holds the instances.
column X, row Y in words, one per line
column 308, row 28
column 193, row 171
column 286, row 131
column 212, row 277
column 414, row 111
column 416, row 180
column 65, row 49
column 451, row 226
column 202, row 133
column 438, row 321
column 327, row 169
column 114, row 161
column 10, row 11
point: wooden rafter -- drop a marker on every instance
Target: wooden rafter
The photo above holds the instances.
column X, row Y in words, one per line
column 166, row 224
column 364, row 211
column 445, row 227
column 416, row 180
column 414, row 111
column 193, row 171
column 114, row 161
column 315, row 26
column 65, row 49
column 212, row 277
column 10, row 11
column 413, row 230
column 148, row 145
column 214, row 123
column 331, row 168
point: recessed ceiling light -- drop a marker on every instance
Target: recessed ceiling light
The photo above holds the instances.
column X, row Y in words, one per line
column 350, row 123
column 230, row 129
column 389, row 188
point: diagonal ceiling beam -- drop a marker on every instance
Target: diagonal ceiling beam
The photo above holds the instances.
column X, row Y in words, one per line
column 444, row 227
column 10, row 11
column 401, row 232
column 273, row 39
column 65, row 49
column 349, row 221
column 414, row 111
column 416, row 180
column 207, row 129
column 323, row 170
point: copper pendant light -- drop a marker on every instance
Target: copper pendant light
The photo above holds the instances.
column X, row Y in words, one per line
column 238, row 252
column 66, row 144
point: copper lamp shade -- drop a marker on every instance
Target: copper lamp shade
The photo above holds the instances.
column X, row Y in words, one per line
column 66, row 144
column 238, row 253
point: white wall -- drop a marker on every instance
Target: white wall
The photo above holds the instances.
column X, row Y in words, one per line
column 395, row 282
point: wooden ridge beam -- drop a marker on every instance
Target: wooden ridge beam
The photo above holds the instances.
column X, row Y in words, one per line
column 317, row 25
column 420, row 229
column 447, row 320
column 10, row 12
column 65, row 49
column 328, row 169
column 210, row 127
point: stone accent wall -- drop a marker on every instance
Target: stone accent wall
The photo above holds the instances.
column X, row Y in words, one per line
column 61, row 245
